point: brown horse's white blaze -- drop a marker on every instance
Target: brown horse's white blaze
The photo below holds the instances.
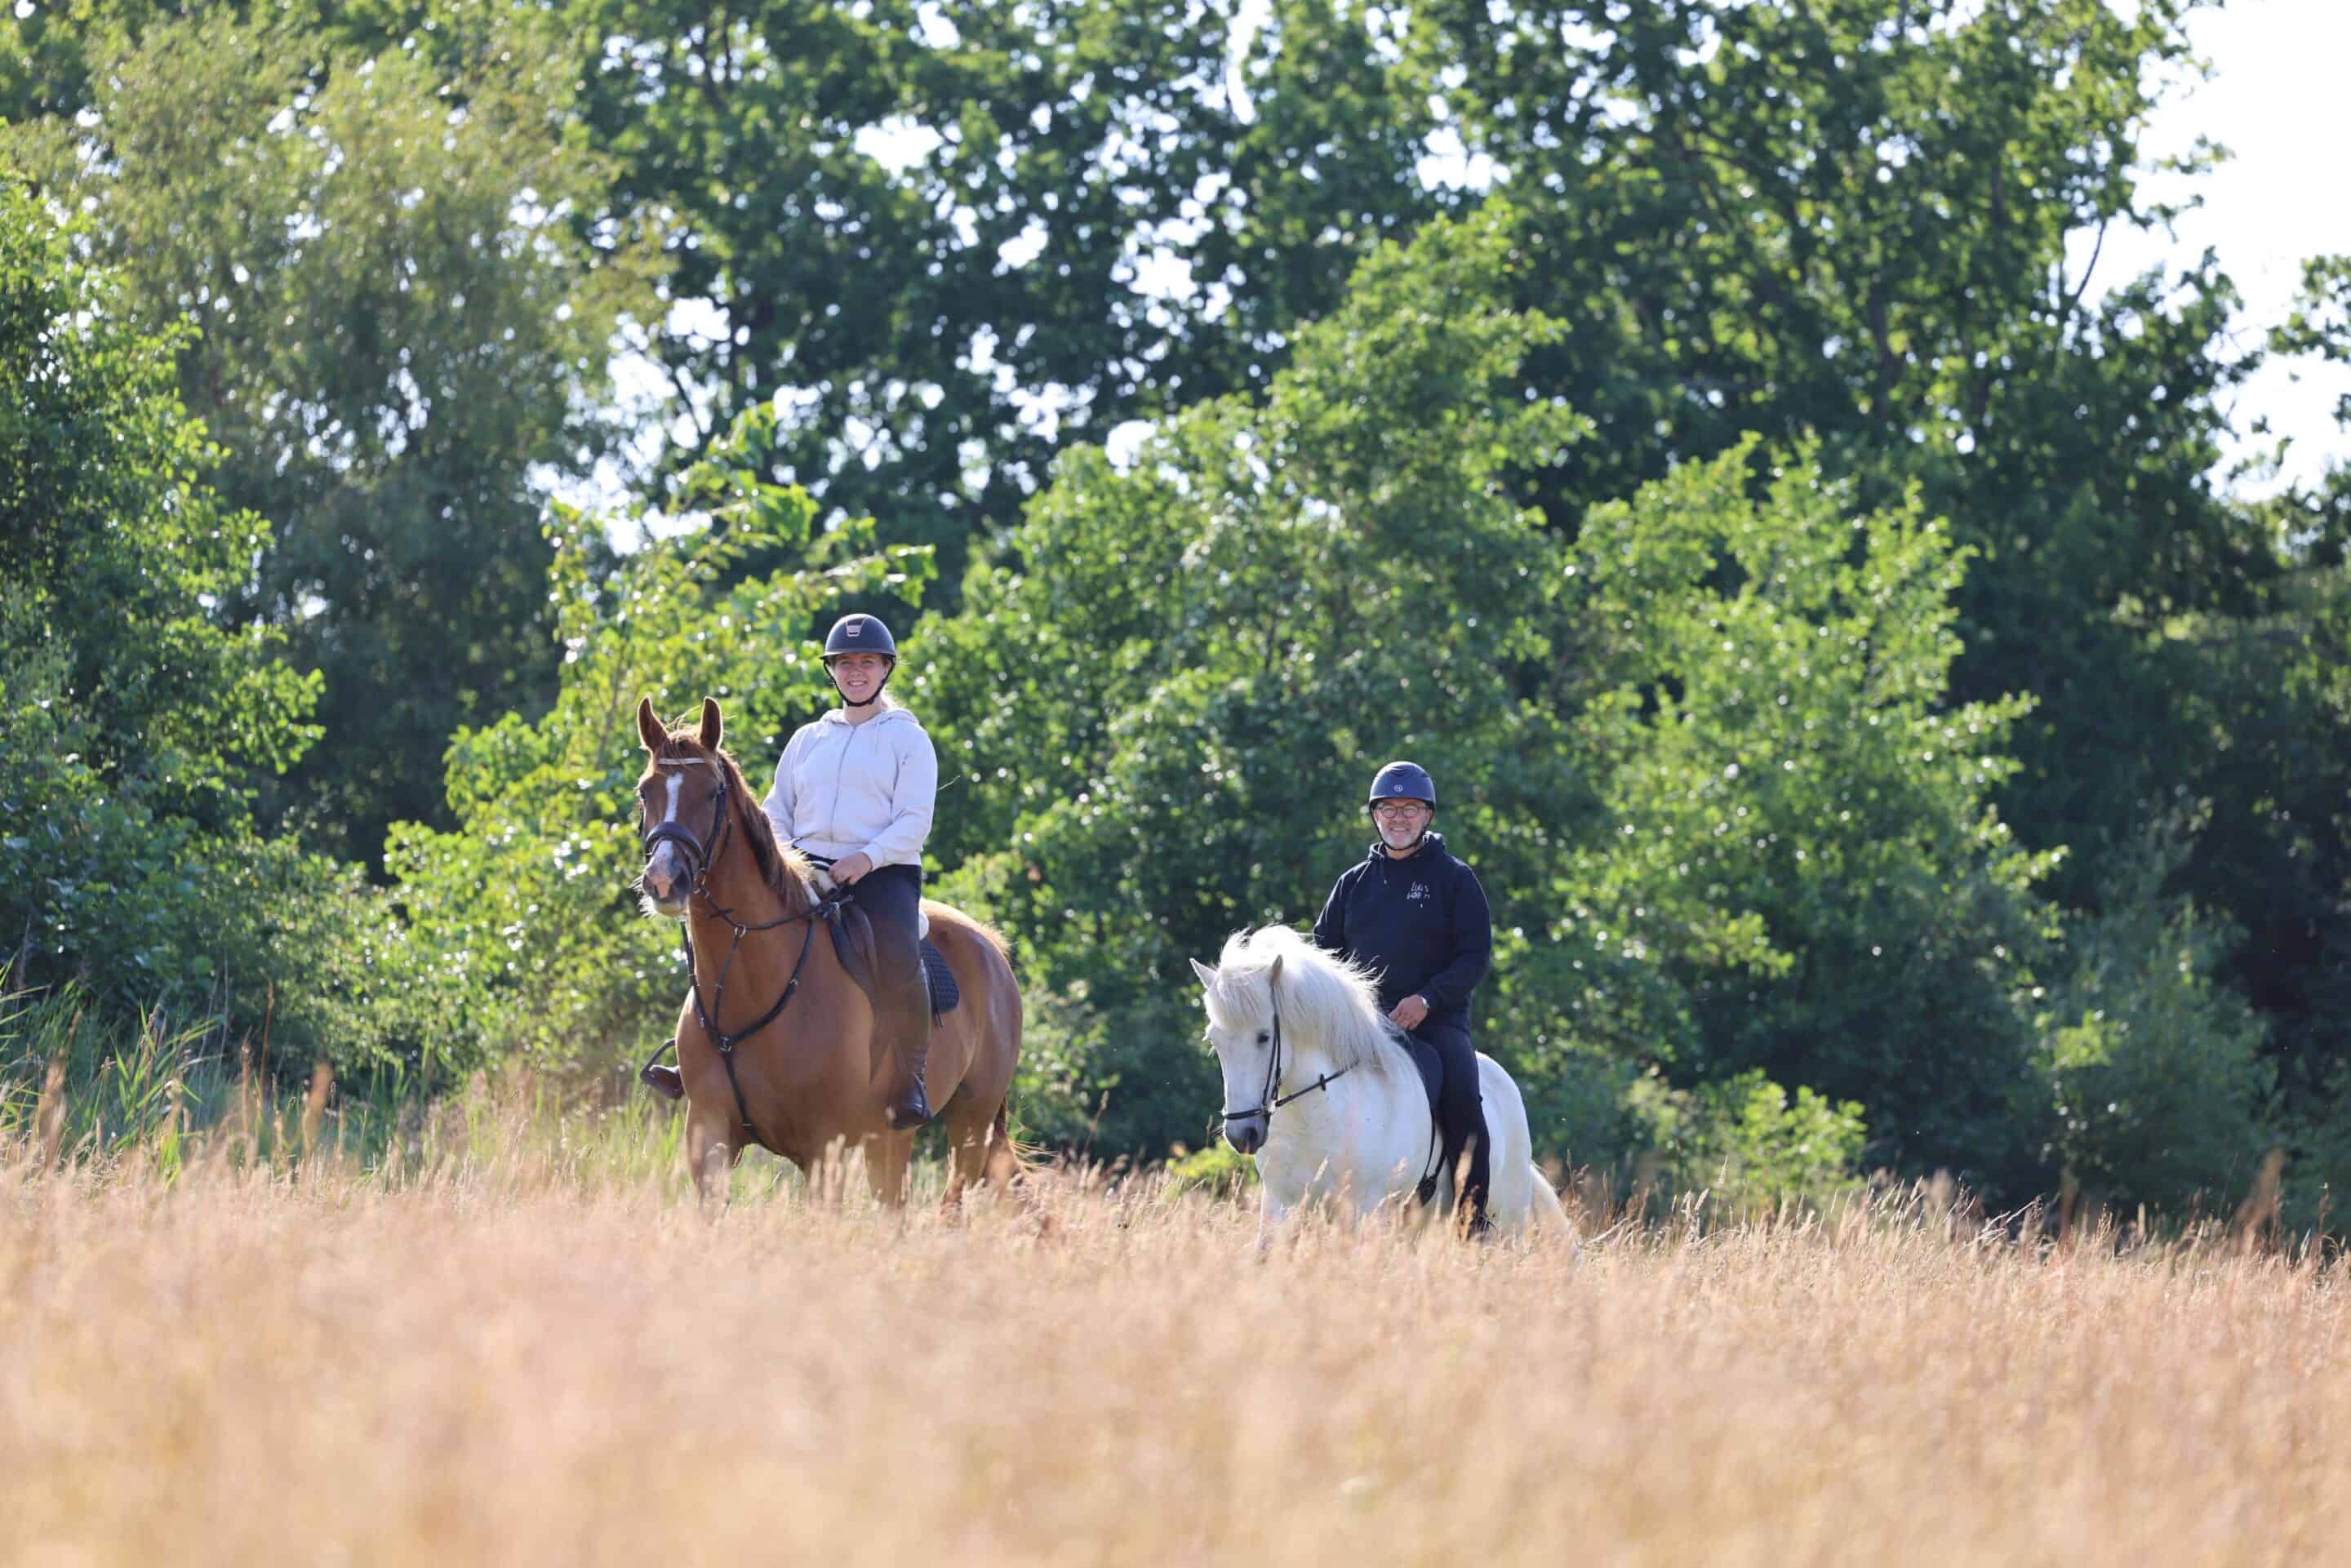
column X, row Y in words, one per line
column 807, row 1078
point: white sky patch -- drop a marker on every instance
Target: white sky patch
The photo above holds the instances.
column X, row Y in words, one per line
column 1246, row 23
column 1125, row 441
column 1162, row 274
column 1449, row 164
column 2276, row 101
column 898, row 143
column 1023, row 248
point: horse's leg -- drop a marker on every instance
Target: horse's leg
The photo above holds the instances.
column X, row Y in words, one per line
column 888, row 1157
column 1271, row 1213
column 1003, row 1162
column 970, row 1128
column 709, row 1155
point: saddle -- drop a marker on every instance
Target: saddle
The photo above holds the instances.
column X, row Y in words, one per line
column 939, row 979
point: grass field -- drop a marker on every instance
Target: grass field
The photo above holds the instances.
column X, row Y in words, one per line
column 530, row 1347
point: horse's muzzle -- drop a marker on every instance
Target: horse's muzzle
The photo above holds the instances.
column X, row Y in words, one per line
column 664, row 882
column 1246, row 1134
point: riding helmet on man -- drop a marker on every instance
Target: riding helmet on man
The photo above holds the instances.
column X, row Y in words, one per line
column 1402, row 781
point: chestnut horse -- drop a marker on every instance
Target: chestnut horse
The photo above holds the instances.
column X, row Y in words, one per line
column 781, row 978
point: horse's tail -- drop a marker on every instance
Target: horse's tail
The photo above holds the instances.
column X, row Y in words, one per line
column 1548, row 1211
column 1008, row 1159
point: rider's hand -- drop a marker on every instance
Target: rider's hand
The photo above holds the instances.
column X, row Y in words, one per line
column 1407, row 1015
column 848, row 869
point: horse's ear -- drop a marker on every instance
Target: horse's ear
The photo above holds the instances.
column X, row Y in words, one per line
column 714, row 724
column 648, row 728
column 1207, row 976
column 1273, row 971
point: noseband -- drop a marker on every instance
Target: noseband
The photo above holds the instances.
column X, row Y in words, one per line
column 1267, row 1102
column 696, row 859
column 825, row 909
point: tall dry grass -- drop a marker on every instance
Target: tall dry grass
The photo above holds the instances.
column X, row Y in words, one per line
column 528, row 1346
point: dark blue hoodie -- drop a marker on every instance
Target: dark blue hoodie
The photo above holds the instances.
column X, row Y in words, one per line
column 1421, row 922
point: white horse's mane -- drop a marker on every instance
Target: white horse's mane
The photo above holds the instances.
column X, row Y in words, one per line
column 1329, row 1006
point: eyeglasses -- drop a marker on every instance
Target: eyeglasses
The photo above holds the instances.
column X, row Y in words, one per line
column 1399, row 809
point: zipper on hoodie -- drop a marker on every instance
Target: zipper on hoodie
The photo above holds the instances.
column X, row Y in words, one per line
column 840, row 768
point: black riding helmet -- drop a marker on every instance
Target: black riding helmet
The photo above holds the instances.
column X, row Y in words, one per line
column 861, row 634
column 1405, row 782
column 1402, row 781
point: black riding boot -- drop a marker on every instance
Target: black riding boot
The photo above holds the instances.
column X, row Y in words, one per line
column 662, row 1079
column 1475, row 1220
column 910, row 1103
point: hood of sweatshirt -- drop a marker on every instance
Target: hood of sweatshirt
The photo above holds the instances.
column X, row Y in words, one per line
column 837, row 715
column 1432, row 842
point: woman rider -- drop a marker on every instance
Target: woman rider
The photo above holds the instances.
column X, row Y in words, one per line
column 854, row 791
column 1415, row 915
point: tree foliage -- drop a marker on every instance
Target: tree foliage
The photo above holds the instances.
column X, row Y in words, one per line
column 397, row 330
column 134, row 716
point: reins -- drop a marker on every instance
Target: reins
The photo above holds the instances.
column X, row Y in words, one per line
column 824, row 909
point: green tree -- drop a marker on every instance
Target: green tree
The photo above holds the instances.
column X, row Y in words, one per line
column 968, row 235
column 522, row 918
column 1704, row 761
column 400, row 336
column 134, row 718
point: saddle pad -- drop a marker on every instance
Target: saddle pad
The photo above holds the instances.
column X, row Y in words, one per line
column 944, row 993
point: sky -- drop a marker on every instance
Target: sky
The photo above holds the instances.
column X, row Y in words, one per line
column 2276, row 99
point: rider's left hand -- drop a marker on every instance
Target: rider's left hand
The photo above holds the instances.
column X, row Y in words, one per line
column 848, row 869
column 1407, row 1015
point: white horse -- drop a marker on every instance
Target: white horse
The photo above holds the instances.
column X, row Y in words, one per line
column 1321, row 1089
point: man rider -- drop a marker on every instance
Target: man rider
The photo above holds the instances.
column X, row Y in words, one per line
column 1415, row 915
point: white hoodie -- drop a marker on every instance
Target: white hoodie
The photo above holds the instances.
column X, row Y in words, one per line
column 845, row 788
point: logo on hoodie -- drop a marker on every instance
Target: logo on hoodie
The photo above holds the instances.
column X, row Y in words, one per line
column 1419, row 893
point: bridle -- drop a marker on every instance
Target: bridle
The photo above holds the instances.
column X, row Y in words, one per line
column 1267, row 1102
column 825, row 909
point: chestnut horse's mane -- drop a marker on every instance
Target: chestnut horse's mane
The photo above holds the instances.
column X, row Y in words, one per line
column 784, row 869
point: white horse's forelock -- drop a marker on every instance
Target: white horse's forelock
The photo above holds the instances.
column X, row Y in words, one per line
column 1327, row 1003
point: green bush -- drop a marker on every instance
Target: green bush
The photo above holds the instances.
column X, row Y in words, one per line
column 2160, row 1092
column 1219, row 1170
column 1748, row 1142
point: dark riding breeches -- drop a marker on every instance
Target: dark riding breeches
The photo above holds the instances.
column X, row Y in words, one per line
column 892, row 898
column 1460, row 1110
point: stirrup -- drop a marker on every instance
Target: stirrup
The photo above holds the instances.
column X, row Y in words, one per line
column 667, row 1081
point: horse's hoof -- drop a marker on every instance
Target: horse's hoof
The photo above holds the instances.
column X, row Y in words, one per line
column 665, row 1081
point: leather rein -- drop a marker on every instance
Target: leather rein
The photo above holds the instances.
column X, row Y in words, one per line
column 701, row 861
